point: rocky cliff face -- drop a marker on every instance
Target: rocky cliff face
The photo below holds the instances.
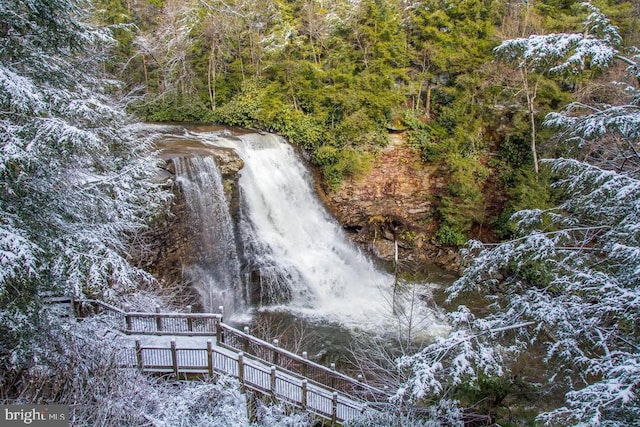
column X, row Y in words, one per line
column 394, row 202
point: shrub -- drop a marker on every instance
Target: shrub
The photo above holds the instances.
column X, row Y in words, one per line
column 447, row 235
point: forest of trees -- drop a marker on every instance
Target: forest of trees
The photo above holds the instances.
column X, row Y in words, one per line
column 533, row 103
column 334, row 76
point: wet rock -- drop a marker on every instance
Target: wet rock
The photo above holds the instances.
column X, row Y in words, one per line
column 228, row 161
column 393, row 202
column 449, row 259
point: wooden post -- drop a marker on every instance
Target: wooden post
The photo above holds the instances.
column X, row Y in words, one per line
column 241, row 368
column 221, row 310
column 158, row 320
column 139, row 354
column 245, row 340
column 334, row 408
column 127, row 319
column 189, row 320
column 304, row 394
column 210, row 357
column 74, row 308
column 219, row 333
column 273, row 381
column 275, row 352
column 303, row 368
column 174, row 357
column 333, row 377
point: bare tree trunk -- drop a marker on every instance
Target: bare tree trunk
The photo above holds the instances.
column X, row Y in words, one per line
column 527, row 14
column 427, row 104
column 313, row 51
column 531, row 94
column 211, row 77
column 146, row 72
column 241, row 60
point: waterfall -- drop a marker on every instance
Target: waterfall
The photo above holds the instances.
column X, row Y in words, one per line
column 215, row 269
column 296, row 252
column 286, row 252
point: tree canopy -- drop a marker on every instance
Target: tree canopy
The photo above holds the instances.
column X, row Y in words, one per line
column 563, row 291
column 74, row 178
column 335, row 76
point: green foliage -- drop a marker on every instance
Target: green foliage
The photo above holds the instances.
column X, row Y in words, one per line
column 447, row 235
column 495, row 396
column 526, row 191
column 456, row 140
column 296, row 126
column 464, row 204
column 423, row 141
column 115, row 14
column 168, row 111
column 243, row 109
column 422, row 136
column 340, row 164
column 359, row 130
column 530, row 191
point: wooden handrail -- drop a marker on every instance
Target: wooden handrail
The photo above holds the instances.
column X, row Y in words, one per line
column 332, row 375
column 99, row 303
column 157, row 323
column 174, row 315
column 254, row 374
column 236, row 340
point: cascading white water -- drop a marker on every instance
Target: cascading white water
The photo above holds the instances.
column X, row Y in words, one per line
column 291, row 255
column 300, row 253
column 215, row 272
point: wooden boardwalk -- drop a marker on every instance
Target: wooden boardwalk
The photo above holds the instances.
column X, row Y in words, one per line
column 201, row 343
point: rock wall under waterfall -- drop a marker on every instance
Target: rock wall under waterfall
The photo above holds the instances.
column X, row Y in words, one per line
column 392, row 202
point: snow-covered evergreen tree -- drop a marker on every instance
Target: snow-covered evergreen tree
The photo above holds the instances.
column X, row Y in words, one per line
column 73, row 176
column 569, row 284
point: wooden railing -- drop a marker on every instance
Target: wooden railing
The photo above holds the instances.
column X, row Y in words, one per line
column 254, row 374
column 227, row 337
column 87, row 307
column 242, row 341
column 153, row 323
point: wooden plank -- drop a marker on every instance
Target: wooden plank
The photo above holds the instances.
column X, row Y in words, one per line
column 318, row 395
column 254, row 374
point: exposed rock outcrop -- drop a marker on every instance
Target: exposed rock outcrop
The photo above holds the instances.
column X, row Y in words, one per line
column 394, row 202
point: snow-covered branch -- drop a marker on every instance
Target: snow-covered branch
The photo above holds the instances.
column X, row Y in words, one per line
column 568, row 286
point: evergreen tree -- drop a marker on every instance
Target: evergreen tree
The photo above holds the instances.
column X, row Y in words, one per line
column 74, row 187
column 568, row 284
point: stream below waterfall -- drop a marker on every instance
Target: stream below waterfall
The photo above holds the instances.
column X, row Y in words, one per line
column 278, row 261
